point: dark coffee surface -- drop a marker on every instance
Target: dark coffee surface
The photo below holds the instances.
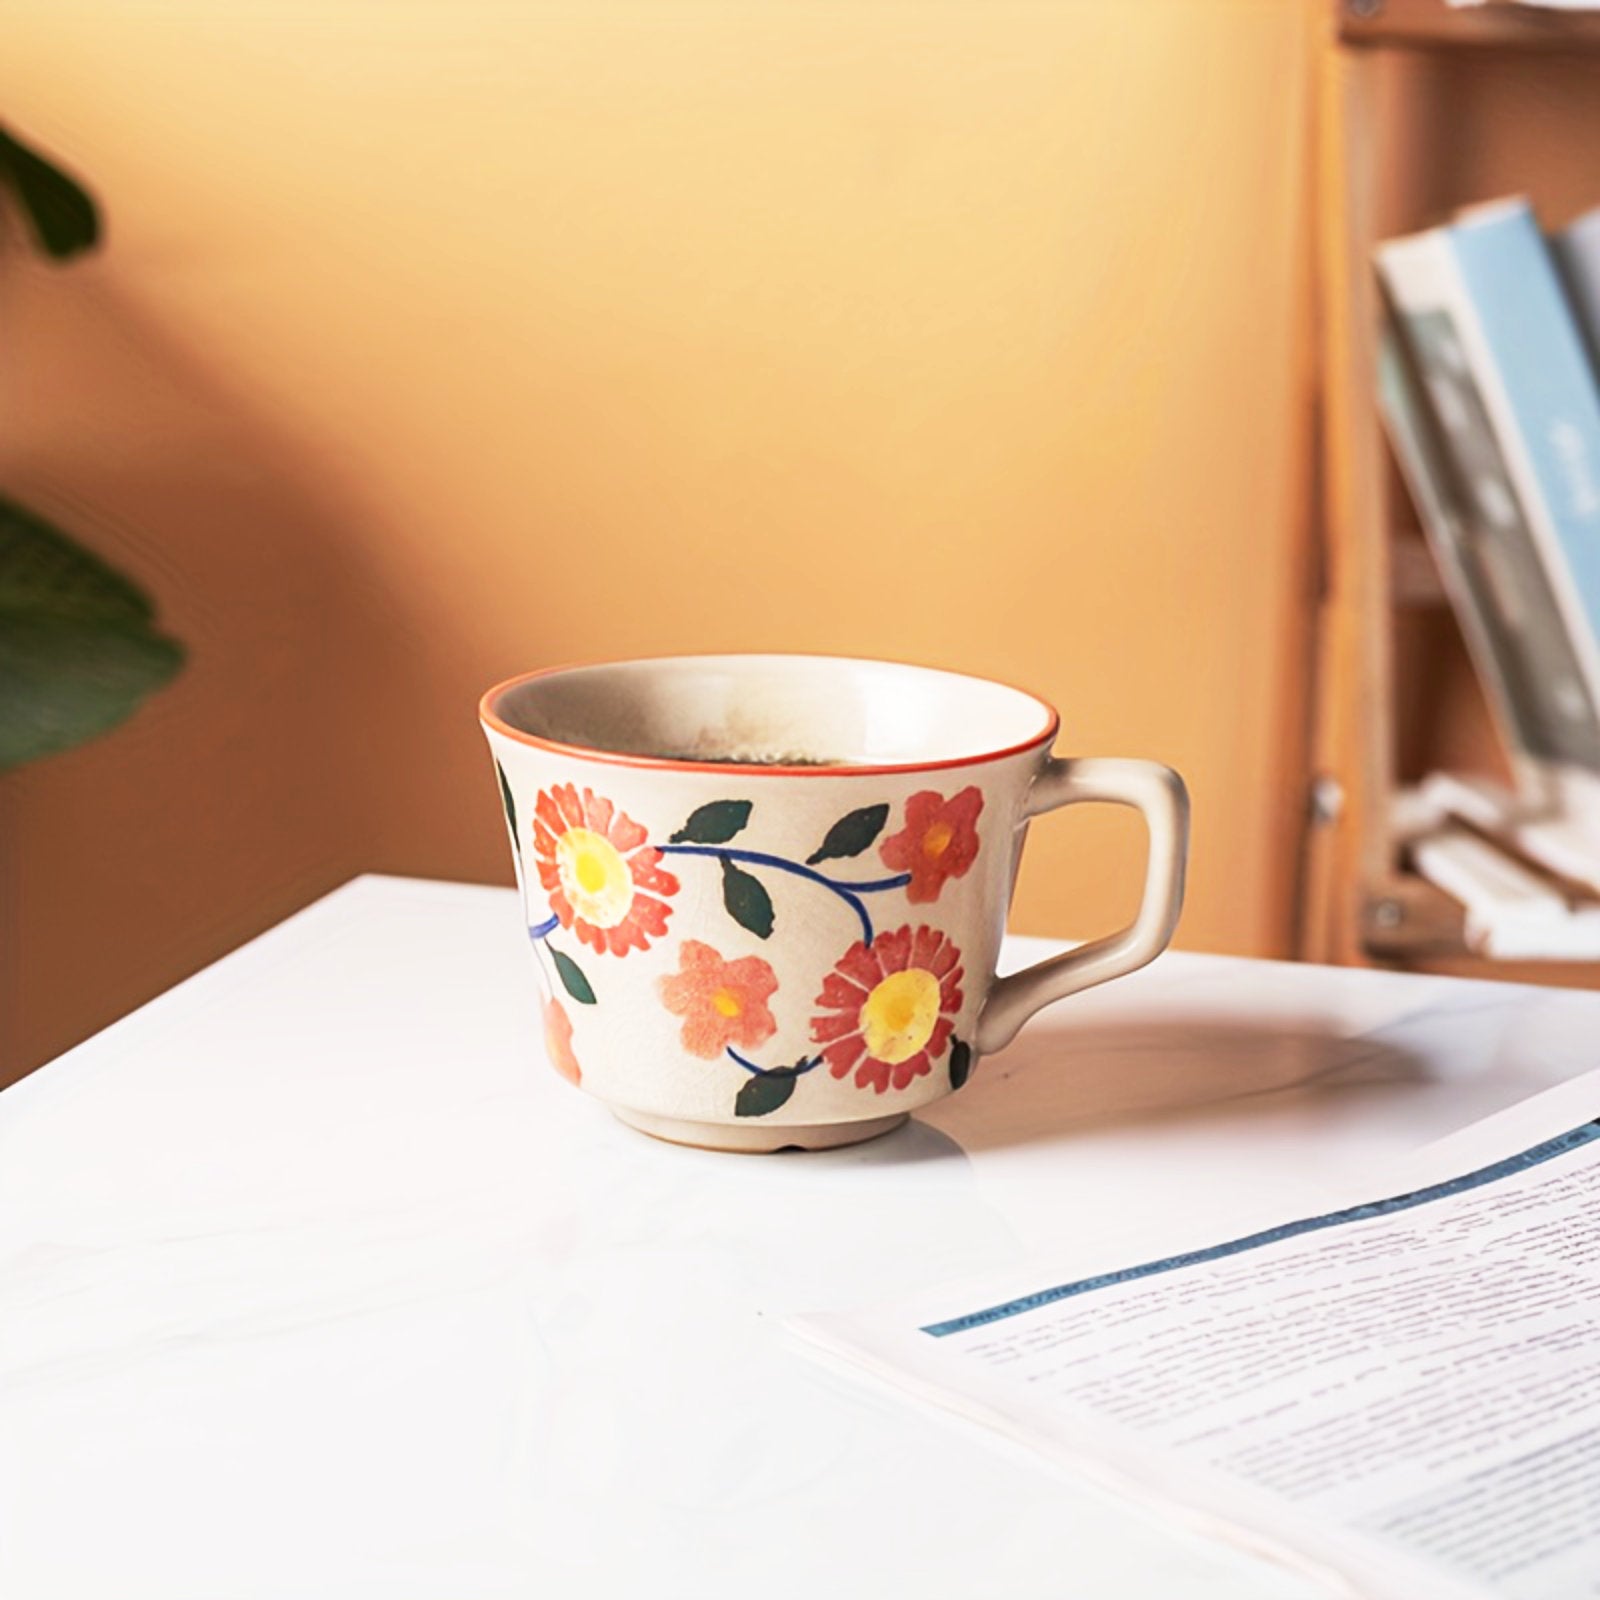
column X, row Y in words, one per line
column 783, row 758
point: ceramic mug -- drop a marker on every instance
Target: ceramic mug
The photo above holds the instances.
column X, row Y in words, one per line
column 766, row 893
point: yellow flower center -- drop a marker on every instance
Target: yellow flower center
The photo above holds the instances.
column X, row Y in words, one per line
column 937, row 840
column 726, row 1003
column 595, row 877
column 898, row 1017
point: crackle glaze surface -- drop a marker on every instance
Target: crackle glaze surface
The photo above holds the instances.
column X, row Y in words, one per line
column 726, row 945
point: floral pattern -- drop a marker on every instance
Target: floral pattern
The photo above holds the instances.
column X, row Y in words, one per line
column 885, row 1013
column 723, row 1003
column 605, row 882
column 938, row 842
column 558, row 1041
column 888, row 1008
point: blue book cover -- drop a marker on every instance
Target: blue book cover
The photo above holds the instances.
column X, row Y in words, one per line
column 1547, row 384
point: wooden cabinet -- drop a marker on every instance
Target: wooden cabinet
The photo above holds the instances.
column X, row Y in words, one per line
column 1421, row 108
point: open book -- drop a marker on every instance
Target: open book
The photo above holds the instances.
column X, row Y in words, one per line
column 1401, row 1391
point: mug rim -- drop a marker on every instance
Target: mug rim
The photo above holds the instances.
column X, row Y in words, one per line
column 489, row 716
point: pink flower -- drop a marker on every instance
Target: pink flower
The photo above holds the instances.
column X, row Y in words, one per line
column 722, row 1003
column 938, row 842
column 558, row 1041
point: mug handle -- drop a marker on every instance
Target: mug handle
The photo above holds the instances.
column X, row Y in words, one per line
column 1159, row 794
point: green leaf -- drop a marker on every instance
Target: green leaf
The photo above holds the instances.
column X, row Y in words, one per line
column 765, row 1093
column 851, row 834
column 62, row 213
column 510, row 805
column 572, row 978
column 43, row 570
column 64, row 680
column 747, row 900
column 960, row 1062
column 715, row 823
column 78, row 652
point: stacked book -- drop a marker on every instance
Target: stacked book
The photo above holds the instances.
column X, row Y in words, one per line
column 1487, row 382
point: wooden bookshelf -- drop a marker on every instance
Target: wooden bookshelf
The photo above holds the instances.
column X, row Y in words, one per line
column 1434, row 25
column 1379, row 590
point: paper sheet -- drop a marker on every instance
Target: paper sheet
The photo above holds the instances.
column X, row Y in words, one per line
column 1403, row 1392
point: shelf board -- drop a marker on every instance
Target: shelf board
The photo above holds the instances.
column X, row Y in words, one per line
column 1405, row 916
column 1433, row 25
column 1410, row 923
column 1413, row 577
column 1546, row 974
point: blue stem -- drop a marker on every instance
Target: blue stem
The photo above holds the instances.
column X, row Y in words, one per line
column 764, row 1072
column 850, row 893
column 877, row 885
column 543, row 929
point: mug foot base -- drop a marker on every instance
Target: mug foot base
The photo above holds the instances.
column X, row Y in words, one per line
column 755, row 1139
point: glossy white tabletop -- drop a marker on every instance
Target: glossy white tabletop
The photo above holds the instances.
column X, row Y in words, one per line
column 315, row 1281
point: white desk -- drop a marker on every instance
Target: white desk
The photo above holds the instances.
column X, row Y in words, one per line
column 316, row 1282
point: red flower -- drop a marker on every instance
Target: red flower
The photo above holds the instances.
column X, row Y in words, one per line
column 558, row 1041
column 595, row 865
column 938, row 842
column 721, row 1002
column 888, row 1007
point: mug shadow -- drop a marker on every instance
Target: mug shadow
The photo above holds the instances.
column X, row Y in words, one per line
column 917, row 1143
column 1068, row 1078
column 1075, row 1077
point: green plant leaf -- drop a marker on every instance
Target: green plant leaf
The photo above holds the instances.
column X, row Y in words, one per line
column 765, row 1093
column 715, row 823
column 960, row 1062
column 851, row 834
column 61, row 212
column 64, row 680
column 78, row 652
column 572, row 978
column 510, row 805
column 41, row 570
column 747, row 900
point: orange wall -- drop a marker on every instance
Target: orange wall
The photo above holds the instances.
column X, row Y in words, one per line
column 436, row 341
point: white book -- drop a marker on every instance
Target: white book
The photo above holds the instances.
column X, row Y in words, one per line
column 1512, row 914
column 1400, row 1392
column 1482, row 547
column 1514, row 509
column 1577, row 253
